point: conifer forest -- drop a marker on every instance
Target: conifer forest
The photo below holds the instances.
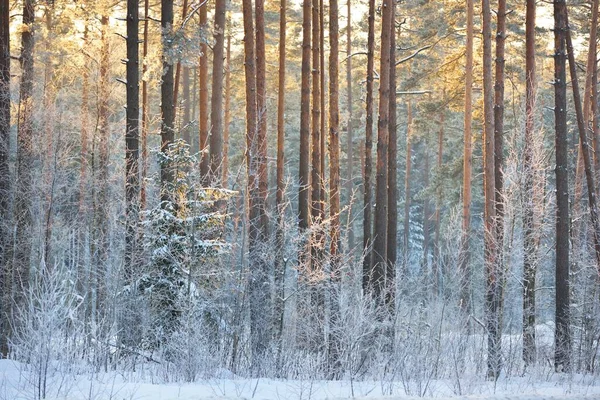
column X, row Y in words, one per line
column 300, row 199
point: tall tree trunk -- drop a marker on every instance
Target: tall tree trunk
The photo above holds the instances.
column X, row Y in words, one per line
column 304, row 168
column 368, row 163
column 25, row 161
column 562, row 335
column 407, row 174
column 4, row 173
column 317, row 210
column 496, row 274
column 529, row 213
column 381, row 182
column 100, row 207
column 49, row 99
column 132, row 136
column 323, row 95
column 227, row 116
column 490, row 244
column 392, row 230
column 465, row 252
column 144, row 139
column 203, row 107
column 184, row 10
column 216, row 103
column 258, row 286
column 279, row 306
column 261, row 108
column 349, row 128
column 334, row 184
column 167, row 107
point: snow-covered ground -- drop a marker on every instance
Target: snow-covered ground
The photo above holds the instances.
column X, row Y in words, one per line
column 17, row 382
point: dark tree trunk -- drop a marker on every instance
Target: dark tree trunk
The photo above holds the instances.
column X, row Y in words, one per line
column 4, row 173
column 368, row 161
column 227, row 116
column 167, row 107
column 381, row 181
column 529, row 213
column 465, row 252
column 334, row 185
column 144, row 139
column 216, row 112
column 496, row 275
column 132, row 136
column 257, row 288
column 25, row 162
column 562, row 335
column 184, row 9
column 304, row 170
column 426, row 214
column 392, row 232
column 349, row 128
column 317, row 208
column 203, row 106
column 490, row 243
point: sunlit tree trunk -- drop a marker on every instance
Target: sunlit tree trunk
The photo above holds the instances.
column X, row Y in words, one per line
column 25, row 160
column 349, row 127
column 304, row 168
column 216, row 113
column 227, row 116
column 100, row 242
column 334, row 184
column 465, row 253
column 562, row 335
column 258, row 286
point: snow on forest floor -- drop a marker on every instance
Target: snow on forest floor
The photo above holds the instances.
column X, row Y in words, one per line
column 19, row 383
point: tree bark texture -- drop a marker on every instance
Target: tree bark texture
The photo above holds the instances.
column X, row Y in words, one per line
column 317, row 207
column 227, row 115
column 203, row 102
column 530, row 225
column 216, row 103
column 167, row 108
column 304, row 167
column 465, row 252
column 490, row 243
column 368, row 278
column 392, row 231
column 381, row 181
column 562, row 335
column 132, row 135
